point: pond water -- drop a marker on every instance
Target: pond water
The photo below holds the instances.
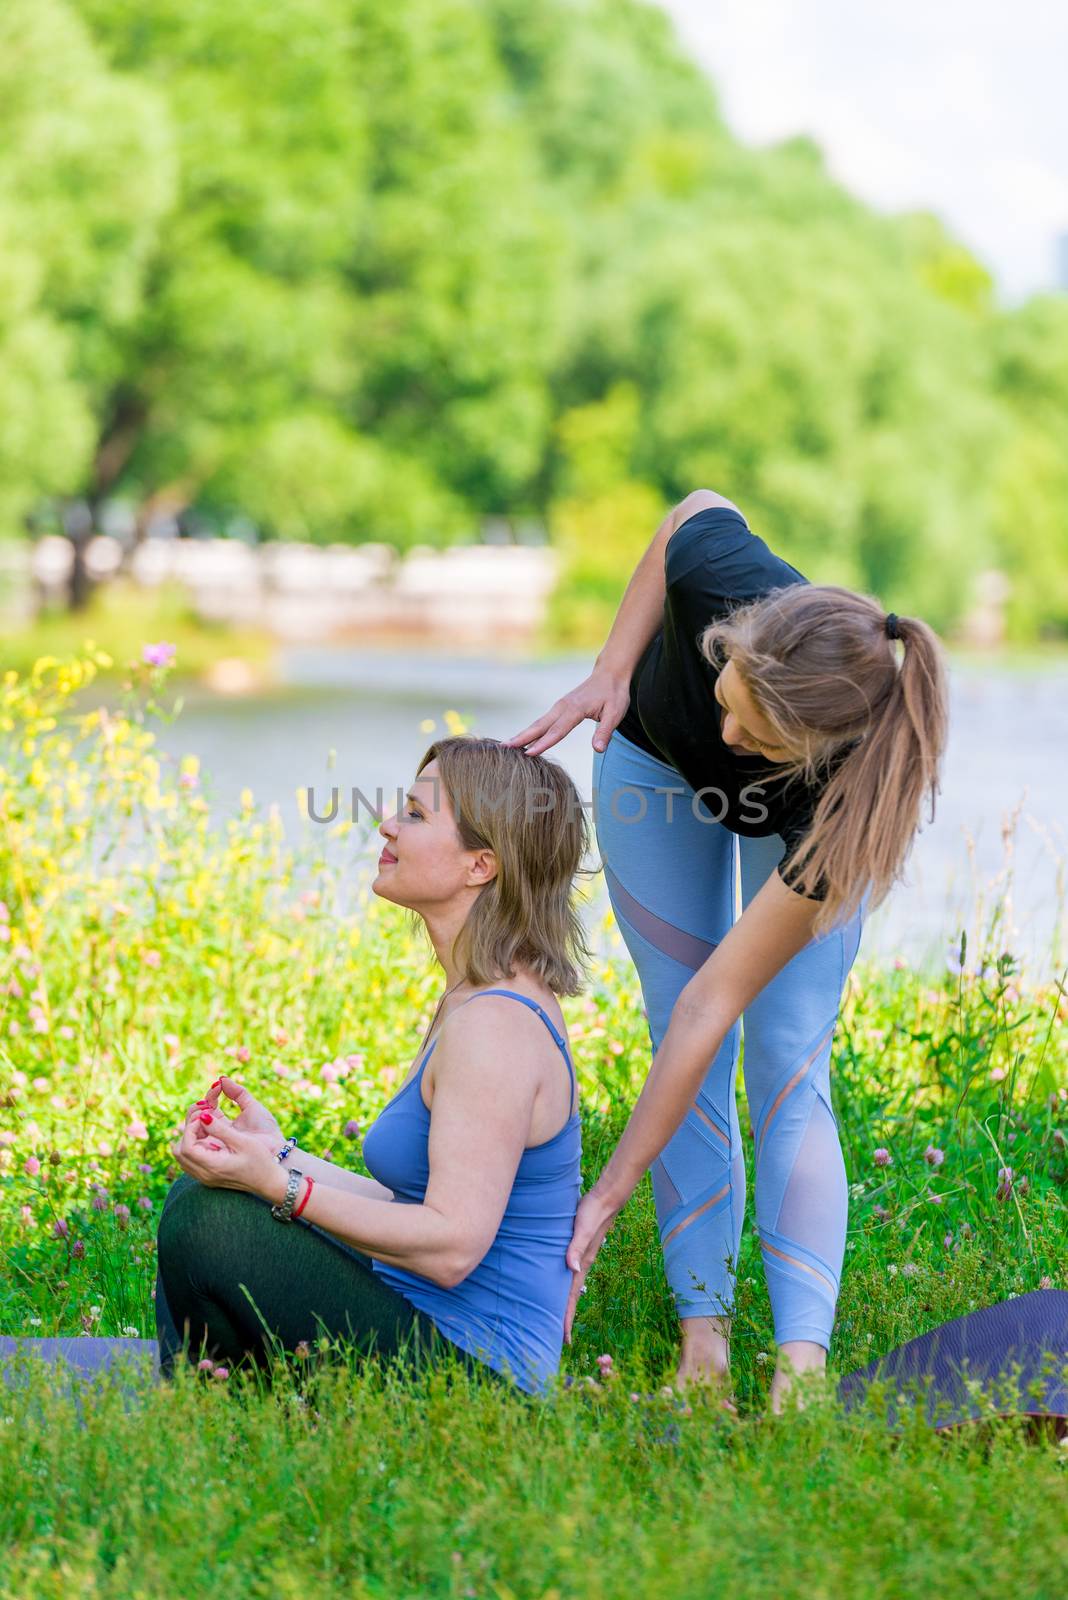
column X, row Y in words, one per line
column 1008, row 753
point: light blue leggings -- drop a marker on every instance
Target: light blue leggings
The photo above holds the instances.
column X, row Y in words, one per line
column 671, row 885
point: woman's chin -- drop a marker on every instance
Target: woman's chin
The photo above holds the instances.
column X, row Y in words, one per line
column 380, row 887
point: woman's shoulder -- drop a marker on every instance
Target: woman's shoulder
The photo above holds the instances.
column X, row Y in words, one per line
column 487, row 1008
column 498, row 1027
column 715, row 557
column 697, row 501
column 497, row 1047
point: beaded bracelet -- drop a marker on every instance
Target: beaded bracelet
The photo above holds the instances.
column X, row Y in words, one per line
column 286, row 1148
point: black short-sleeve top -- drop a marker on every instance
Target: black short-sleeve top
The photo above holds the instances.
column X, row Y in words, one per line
column 714, row 563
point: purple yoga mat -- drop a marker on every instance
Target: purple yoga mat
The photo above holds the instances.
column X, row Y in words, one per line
column 1028, row 1333
column 85, row 1358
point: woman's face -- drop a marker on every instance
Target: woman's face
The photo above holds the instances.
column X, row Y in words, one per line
column 423, row 863
column 743, row 728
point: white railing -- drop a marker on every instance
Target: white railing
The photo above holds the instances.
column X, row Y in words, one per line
column 305, row 592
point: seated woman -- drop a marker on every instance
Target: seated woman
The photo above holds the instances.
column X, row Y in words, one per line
column 456, row 1245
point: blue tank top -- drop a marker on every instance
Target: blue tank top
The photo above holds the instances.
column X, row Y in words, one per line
column 508, row 1312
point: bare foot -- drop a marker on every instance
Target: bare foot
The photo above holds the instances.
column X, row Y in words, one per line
column 716, row 1385
column 705, row 1360
column 801, row 1373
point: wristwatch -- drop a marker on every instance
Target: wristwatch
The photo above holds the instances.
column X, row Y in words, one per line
column 283, row 1212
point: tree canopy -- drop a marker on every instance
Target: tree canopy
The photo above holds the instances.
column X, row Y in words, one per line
column 374, row 269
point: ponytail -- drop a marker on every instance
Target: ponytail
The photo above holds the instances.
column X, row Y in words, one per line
column 864, row 715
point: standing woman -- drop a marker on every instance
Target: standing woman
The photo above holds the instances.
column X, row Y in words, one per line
column 734, row 699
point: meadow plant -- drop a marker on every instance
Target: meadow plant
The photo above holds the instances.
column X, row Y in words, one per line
column 142, row 951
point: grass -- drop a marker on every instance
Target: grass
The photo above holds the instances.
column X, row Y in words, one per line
column 140, row 952
column 361, row 1485
column 121, row 615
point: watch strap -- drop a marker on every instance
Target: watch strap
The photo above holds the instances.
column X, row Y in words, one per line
column 283, row 1211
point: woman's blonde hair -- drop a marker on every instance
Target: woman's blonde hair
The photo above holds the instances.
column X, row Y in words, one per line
column 529, row 813
column 818, row 663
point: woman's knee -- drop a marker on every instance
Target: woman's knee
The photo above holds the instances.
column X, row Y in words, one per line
column 197, row 1221
column 182, row 1182
column 178, row 1203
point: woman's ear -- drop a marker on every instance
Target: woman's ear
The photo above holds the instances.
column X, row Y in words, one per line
column 484, row 867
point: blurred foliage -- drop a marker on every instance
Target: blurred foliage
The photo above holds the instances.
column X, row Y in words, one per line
column 601, row 518
column 122, row 614
column 372, row 270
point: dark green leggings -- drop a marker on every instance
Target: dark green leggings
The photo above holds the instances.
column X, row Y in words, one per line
column 214, row 1243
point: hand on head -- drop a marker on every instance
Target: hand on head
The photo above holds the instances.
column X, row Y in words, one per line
column 603, row 698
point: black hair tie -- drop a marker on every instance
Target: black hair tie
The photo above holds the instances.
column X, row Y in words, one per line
column 892, row 631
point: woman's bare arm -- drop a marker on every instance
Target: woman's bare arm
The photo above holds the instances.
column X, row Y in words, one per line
column 604, row 696
column 641, row 609
column 485, row 1083
column 254, row 1118
column 775, row 925
column 335, row 1176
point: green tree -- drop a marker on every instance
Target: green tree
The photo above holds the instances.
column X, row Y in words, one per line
column 86, row 177
column 825, row 366
column 356, row 260
column 376, row 268
column 1030, row 475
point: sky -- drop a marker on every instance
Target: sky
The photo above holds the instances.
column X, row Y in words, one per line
column 953, row 106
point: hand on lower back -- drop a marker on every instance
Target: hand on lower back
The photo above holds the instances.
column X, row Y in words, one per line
column 592, row 1222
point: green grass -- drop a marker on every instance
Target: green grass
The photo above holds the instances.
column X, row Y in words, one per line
column 121, row 616
column 141, row 951
column 356, row 1484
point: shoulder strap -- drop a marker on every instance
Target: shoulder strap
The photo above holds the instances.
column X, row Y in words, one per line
column 534, row 1006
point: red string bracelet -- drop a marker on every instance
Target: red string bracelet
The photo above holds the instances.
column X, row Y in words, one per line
column 311, row 1184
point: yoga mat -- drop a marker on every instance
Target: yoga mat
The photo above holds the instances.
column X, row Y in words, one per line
column 1028, row 1333
column 86, row 1357
column 1016, row 1350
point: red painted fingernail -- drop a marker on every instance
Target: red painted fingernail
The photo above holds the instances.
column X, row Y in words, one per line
column 213, row 1144
column 204, row 1103
column 217, row 1084
column 205, row 1116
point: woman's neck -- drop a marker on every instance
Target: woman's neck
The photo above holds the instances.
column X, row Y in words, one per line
column 443, row 935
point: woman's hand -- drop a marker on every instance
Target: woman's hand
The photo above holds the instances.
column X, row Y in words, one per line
column 253, row 1117
column 603, row 698
column 593, row 1219
column 219, row 1156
